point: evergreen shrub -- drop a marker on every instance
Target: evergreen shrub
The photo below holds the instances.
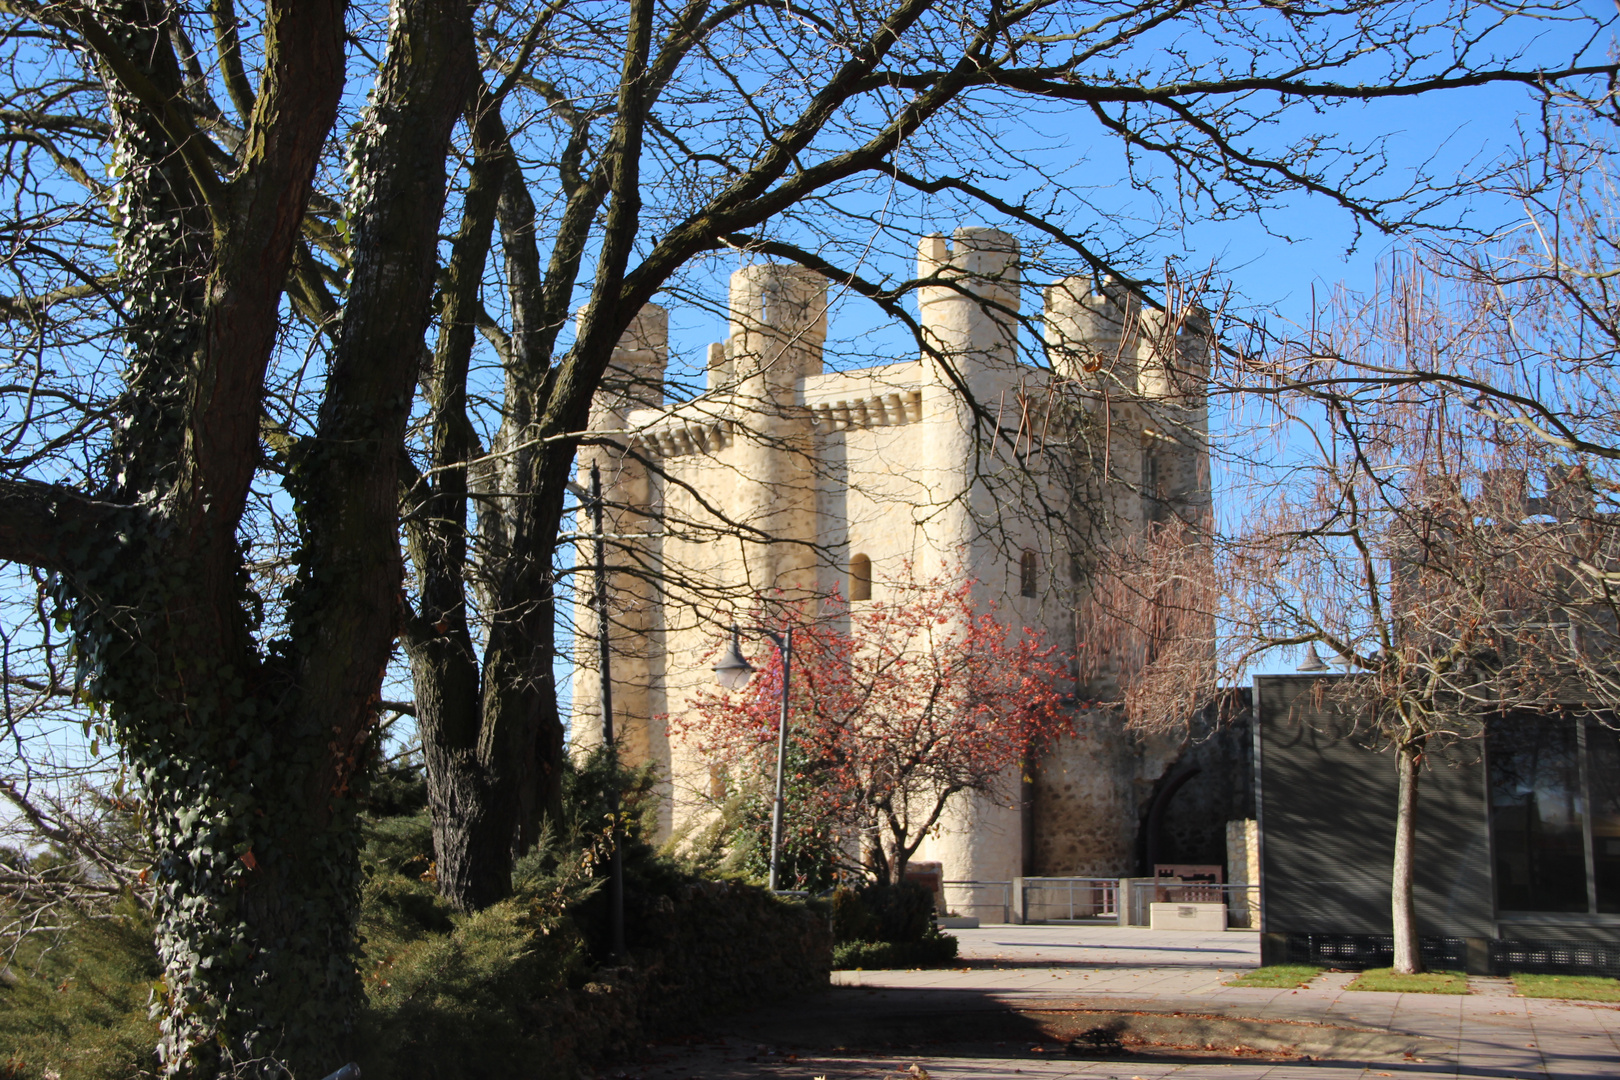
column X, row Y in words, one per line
column 888, row 926
column 525, row 988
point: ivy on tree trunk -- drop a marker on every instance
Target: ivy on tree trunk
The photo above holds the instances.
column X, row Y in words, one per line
column 250, row 756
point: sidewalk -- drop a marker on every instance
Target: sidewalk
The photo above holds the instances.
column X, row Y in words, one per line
column 986, row 1019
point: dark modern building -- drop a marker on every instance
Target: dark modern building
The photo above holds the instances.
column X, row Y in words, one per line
column 1518, row 834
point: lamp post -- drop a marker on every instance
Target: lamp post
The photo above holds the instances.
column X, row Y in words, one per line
column 605, row 656
column 1313, row 663
column 732, row 673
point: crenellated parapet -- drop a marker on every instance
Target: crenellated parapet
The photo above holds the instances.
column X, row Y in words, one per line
column 1100, row 336
column 978, row 265
column 968, row 301
column 778, row 326
column 1092, row 332
column 635, row 373
column 782, row 482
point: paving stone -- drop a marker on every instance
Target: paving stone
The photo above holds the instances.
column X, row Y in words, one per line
column 1487, row 1035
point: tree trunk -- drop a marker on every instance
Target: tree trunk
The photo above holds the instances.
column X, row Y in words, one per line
column 1408, row 956
column 249, row 757
column 474, row 830
column 483, row 732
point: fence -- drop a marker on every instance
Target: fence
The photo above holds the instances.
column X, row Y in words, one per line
column 1093, row 900
column 1358, row 951
column 1050, row 899
column 1477, row 956
column 988, row 901
column 1242, row 901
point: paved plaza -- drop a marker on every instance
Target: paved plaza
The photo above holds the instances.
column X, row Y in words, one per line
column 994, row 1017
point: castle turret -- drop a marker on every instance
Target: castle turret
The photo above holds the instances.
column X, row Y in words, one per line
column 1092, row 334
column 970, row 316
column 1152, row 368
column 969, row 320
column 634, row 380
column 969, row 327
column 778, row 325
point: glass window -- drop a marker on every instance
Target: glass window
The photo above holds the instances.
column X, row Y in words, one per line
column 1028, row 574
column 1603, row 781
column 1538, row 828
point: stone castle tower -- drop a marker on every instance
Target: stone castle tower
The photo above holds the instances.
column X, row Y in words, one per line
column 782, row 479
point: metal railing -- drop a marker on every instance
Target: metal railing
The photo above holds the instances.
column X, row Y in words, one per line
column 1052, row 899
column 1242, row 901
column 988, row 901
column 1094, row 900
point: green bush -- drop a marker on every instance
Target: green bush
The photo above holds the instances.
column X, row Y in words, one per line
column 904, row 912
column 883, row 912
column 873, row 955
column 851, row 919
column 74, row 1002
column 451, row 995
column 518, row 990
column 509, row 991
column 470, row 1002
column 888, row 926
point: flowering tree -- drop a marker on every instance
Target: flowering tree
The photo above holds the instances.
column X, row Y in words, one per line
column 919, row 700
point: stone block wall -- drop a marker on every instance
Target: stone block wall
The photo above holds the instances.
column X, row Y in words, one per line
column 891, row 464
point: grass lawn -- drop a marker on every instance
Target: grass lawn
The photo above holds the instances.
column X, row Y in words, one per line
column 1278, row 976
column 1430, row 982
column 1579, row 987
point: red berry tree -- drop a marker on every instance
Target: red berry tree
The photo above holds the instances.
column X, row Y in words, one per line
column 897, row 708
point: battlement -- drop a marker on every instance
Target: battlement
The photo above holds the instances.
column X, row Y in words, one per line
column 1097, row 332
column 635, row 373
column 778, row 326
column 974, row 263
column 1100, row 335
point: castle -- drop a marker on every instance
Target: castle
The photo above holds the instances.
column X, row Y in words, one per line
column 782, row 479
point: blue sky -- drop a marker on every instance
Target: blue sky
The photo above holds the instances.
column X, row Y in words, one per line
column 1280, row 266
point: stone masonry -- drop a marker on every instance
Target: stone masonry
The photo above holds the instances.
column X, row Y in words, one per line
column 783, row 481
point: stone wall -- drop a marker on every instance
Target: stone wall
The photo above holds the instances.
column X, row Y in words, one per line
column 1087, row 798
column 1210, row 783
column 769, row 484
column 1111, row 803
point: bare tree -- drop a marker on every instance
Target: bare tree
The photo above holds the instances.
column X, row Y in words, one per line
column 213, row 476
column 603, row 178
column 1390, row 523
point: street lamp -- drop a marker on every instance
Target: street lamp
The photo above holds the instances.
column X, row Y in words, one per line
column 1313, row 663
column 732, row 673
column 605, row 672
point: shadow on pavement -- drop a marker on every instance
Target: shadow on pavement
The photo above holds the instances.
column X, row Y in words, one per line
column 977, row 1024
